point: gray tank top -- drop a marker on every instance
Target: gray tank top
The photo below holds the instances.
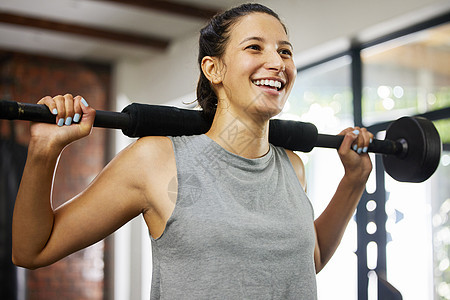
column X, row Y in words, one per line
column 241, row 228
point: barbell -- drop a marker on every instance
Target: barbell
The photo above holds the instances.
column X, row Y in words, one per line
column 411, row 151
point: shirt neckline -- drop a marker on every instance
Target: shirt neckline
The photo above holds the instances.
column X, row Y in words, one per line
column 229, row 156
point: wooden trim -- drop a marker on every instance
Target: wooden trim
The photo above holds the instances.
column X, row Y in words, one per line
column 187, row 10
column 116, row 36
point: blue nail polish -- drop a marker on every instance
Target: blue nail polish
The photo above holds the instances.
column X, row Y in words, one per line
column 55, row 111
column 355, row 147
column 68, row 121
column 84, row 102
column 365, row 149
column 356, row 131
column 61, row 122
column 371, row 140
column 76, row 118
column 359, row 150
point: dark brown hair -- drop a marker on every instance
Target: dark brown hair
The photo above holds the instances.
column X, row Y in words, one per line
column 212, row 42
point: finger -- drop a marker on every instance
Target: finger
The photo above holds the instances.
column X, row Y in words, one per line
column 61, row 108
column 68, row 103
column 355, row 145
column 48, row 101
column 350, row 137
column 88, row 114
column 84, row 102
column 77, row 109
column 361, row 144
column 364, row 140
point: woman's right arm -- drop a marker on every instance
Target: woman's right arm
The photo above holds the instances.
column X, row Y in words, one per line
column 42, row 235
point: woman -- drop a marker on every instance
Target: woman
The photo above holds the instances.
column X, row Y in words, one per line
column 226, row 211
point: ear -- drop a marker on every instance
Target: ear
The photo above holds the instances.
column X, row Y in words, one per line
column 210, row 67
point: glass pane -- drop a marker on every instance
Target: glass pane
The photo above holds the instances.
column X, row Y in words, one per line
column 322, row 95
column 440, row 212
column 418, row 226
column 443, row 128
column 406, row 76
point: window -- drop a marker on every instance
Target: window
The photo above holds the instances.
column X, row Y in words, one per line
column 407, row 76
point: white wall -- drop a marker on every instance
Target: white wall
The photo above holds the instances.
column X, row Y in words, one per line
column 317, row 28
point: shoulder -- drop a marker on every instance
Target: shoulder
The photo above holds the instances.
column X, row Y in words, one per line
column 152, row 147
column 149, row 165
column 298, row 166
column 146, row 157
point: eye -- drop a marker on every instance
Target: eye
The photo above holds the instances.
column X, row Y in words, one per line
column 286, row 52
column 253, row 47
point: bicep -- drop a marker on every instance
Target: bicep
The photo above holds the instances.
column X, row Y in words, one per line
column 317, row 256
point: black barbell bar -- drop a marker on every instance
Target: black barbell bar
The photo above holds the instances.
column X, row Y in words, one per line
column 411, row 155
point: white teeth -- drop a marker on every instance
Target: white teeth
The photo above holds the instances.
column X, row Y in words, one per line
column 272, row 83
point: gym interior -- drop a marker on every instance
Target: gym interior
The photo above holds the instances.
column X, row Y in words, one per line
column 363, row 63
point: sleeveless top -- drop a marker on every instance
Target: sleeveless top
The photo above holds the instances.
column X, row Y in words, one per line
column 241, row 228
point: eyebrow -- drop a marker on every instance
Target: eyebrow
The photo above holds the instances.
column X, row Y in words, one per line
column 260, row 39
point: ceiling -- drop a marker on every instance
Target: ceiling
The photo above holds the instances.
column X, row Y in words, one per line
column 104, row 30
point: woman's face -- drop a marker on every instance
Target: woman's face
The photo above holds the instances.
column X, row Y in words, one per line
column 258, row 71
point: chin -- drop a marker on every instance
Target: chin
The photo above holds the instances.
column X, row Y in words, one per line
column 264, row 113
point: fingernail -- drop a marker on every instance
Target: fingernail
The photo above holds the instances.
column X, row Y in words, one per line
column 356, row 131
column 61, row 122
column 359, row 150
column 55, row 111
column 371, row 140
column 355, row 147
column 68, row 121
column 365, row 149
column 84, row 102
column 76, row 118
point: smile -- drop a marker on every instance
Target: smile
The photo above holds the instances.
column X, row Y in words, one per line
column 276, row 84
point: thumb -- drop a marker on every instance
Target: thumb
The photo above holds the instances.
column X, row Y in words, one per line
column 87, row 120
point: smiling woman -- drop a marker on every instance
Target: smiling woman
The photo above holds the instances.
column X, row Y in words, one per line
column 258, row 58
column 227, row 211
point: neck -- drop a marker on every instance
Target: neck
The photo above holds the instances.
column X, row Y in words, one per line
column 240, row 133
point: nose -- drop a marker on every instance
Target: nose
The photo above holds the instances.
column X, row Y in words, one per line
column 274, row 61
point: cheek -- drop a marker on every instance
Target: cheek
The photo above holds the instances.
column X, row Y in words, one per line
column 239, row 73
column 243, row 65
column 291, row 70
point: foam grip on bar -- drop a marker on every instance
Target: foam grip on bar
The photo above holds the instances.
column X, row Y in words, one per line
column 158, row 120
column 148, row 120
column 293, row 135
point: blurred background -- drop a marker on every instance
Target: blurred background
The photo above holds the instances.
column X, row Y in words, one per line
column 359, row 62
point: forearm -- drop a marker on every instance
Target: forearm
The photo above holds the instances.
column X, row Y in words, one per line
column 331, row 224
column 33, row 214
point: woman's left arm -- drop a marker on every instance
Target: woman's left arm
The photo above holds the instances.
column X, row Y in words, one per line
column 331, row 224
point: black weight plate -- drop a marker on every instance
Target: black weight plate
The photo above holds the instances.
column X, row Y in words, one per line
column 434, row 148
column 423, row 152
